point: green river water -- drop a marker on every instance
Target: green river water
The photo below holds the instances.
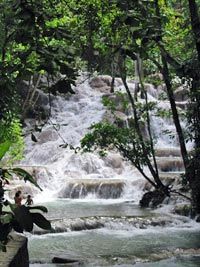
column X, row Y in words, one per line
column 173, row 245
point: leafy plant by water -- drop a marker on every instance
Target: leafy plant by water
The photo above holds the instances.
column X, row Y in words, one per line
column 19, row 218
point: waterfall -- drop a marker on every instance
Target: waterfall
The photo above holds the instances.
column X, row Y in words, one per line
column 76, row 175
column 94, row 211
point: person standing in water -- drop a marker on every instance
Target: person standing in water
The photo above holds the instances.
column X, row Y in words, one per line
column 29, row 201
column 18, row 198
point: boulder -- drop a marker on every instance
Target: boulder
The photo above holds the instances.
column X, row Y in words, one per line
column 47, row 135
column 181, row 94
column 101, row 81
column 198, row 219
column 150, row 89
column 39, row 106
column 183, row 209
column 152, row 199
column 114, row 161
column 65, row 260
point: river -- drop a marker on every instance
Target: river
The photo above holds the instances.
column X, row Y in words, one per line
column 93, row 201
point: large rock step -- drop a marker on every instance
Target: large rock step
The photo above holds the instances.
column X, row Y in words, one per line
column 102, row 188
column 115, row 223
column 168, row 152
column 170, row 164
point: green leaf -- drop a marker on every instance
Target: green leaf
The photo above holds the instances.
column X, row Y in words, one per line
column 7, row 218
column 6, row 174
column 41, row 221
column 12, row 206
column 26, row 176
column 4, row 147
column 42, row 208
column 24, row 218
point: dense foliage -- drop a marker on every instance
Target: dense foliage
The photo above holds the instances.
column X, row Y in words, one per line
column 52, row 39
column 165, row 35
column 13, row 216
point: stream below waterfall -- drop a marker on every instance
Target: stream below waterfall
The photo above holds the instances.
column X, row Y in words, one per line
column 93, row 201
column 122, row 240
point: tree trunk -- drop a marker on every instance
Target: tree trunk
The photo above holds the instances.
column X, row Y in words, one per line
column 154, row 172
column 195, row 23
column 194, row 167
column 194, row 178
column 167, row 79
column 175, row 112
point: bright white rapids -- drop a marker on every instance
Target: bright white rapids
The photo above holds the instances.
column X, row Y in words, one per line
column 58, row 168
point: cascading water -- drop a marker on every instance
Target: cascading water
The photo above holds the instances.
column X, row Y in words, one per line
column 70, row 120
column 93, row 201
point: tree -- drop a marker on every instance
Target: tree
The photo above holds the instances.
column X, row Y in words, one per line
column 188, row 70
column 148, row 29
column 143, row 153
column 34, row 42
column 47, row 38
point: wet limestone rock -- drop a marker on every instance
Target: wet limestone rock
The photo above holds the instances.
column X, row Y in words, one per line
column 102, row 188
column 170, row 164
column 114, row 161
column 47, row 135
column 181, row 94
column 183, row 209
column 102, row 83
column 198, row 218
column 67, row 262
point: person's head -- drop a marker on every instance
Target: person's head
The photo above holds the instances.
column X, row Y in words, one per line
column 29, row 196
column 18, row 193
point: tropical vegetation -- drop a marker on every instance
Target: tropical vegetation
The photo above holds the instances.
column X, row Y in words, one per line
column 53, row 40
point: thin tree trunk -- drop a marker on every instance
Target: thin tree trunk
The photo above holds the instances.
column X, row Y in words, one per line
column 159, row 184
column 192, row 166
column 140, row 75
column 170, row 93
column 194, row 178
column 195, row 23
column 175, row 115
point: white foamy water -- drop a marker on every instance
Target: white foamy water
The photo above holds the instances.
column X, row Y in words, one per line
column 85, row 184
column 70, row 121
